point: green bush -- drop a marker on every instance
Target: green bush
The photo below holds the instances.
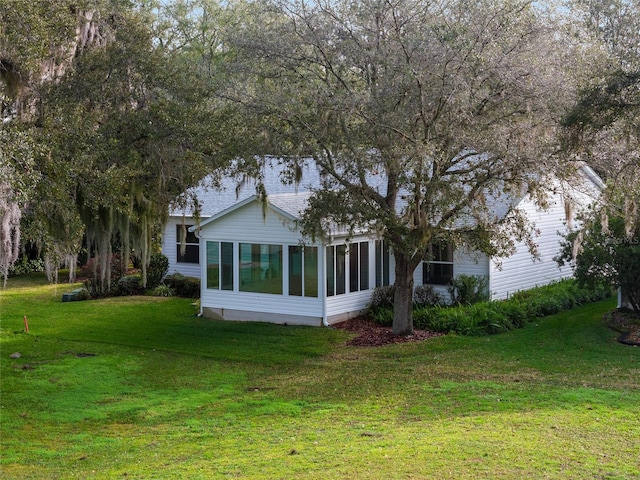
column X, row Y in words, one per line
column 469, row 289
column 382, row 297
column 127, row 286
column 486, row 317
column 83, row 295
column 425, row 296
column 162, row 291
column 382, row 316
column 158, row 268
column 490, row 317
column 185, row 287
column 26, row 265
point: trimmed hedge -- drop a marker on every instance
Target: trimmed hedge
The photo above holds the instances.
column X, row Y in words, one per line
column 489, row 317
column 185, row 287
column 129, row 285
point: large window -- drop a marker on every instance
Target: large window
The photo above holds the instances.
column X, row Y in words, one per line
column 303, row 271
column 438, row 265
column 355, row 271
column 220, row 265
column 382, row 263
column 336, row 270
column 359, row 266
column 188, row 245
column 260, row 268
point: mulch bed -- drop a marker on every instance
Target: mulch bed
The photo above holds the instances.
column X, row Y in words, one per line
column 625, row 322
column 370, row 334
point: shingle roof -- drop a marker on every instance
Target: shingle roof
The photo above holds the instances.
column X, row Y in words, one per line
column 293, row 198
column 292, row 203
column 216, row 199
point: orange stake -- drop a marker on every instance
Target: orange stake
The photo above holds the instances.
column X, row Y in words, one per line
column 26, row 324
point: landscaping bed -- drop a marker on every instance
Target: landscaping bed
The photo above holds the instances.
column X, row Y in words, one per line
column 370, row 334
column 625, row 322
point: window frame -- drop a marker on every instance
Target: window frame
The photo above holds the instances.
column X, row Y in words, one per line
column 191, row 254
column 225, row 269
column 382, row 263
column 261, row 254
column 308, row 263
column 434, row 258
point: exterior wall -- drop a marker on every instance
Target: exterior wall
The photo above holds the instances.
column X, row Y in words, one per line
column 247, row 225
column 465, row 262
column 170, row 248
column 520, row 271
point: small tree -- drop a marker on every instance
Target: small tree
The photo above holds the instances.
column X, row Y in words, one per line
column 606, row 252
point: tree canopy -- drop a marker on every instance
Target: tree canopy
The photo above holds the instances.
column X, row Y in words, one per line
column 122, row 123
column 603, row 129
column 447, row 104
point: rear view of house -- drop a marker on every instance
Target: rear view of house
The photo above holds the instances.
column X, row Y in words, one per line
column 254, row 264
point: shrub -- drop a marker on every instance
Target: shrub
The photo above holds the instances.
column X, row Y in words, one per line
column 382, row 316
column 158, row 268
column 162, row 291
column 92, row 272
column 185, row 287
column 27, row 265
column 490, row 317
column 426, row 295
column 130, row 285
column 469, row 289
column 83, row 295
column 382, row 298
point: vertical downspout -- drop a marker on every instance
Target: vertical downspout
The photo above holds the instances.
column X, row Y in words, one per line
column 323, row 288
column 201, row 252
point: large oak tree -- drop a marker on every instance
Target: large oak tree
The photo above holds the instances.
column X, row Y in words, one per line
column 112, row 95
column 449, row 103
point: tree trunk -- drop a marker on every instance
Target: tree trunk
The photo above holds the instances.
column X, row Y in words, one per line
column 403, row 298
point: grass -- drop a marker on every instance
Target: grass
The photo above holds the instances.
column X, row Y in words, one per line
column 141, row 388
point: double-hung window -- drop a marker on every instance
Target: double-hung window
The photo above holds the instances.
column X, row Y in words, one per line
column 187, row 245
column 438, row 264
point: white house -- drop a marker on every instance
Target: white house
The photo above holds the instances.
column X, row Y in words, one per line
column 255, row 266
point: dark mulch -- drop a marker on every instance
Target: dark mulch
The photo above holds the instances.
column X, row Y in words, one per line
column 370, row 334
column 625, row 322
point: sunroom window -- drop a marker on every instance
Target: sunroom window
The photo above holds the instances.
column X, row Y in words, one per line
column 260, row 268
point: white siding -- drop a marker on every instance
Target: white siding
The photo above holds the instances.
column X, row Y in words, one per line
column 520, row 271
column 468, row 262
column 248, row 225
column 465, row 262
column 170, row 248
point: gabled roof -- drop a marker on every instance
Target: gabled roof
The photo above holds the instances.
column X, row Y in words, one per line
column 288, row 205
column 291, row 199
column 214, row 200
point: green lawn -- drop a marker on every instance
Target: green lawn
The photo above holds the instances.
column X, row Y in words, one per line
column 142, row 388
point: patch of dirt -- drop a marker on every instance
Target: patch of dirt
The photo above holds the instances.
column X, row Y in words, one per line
column 370, row 334
column 625, row 322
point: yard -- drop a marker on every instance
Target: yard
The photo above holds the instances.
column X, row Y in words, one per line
column 139, row 387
